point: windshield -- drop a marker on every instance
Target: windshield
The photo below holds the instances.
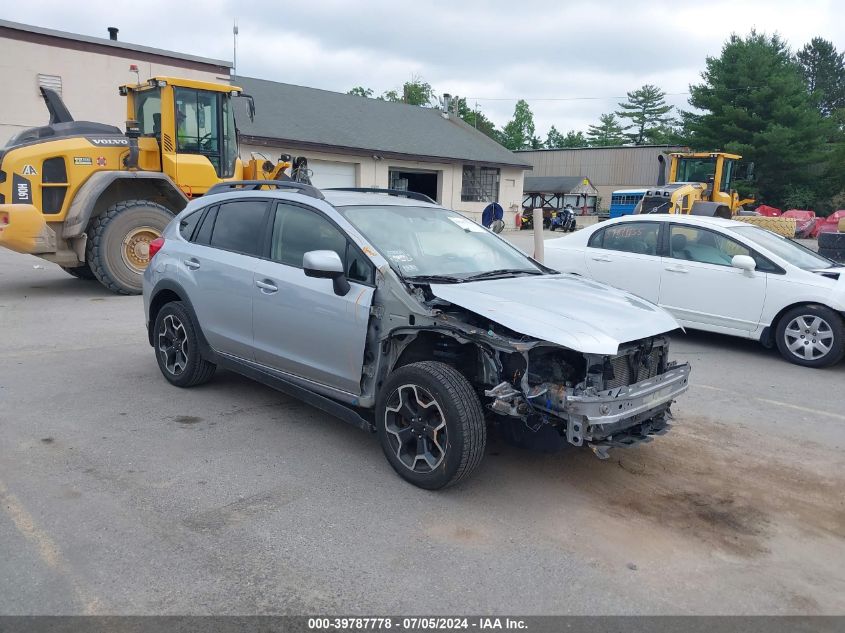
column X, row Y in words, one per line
column 695, row 170
column 425, row 242
column 784, row 248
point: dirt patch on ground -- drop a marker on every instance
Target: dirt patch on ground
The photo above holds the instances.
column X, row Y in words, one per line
column 720, row 486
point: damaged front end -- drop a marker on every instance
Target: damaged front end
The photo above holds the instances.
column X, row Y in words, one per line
column 603, row 401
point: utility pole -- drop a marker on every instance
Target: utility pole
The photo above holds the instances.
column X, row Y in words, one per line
column 235, row 47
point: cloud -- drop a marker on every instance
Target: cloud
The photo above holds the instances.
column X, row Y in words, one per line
column 572, row 61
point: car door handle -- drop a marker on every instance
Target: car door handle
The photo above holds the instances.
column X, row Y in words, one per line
column 192, row 264
column 601, row 258
column 677, row 269
column 267, row 286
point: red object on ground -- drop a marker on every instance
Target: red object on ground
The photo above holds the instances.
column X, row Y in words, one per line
column 805, row 221
column 771, row 212
column 830, row 224
column 518, row 220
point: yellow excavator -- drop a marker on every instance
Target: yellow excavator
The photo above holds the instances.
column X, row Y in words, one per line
column 91, row 197
column 700, row 183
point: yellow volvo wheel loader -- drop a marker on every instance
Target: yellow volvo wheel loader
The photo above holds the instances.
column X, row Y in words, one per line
column 91, row 198
column 700, row 183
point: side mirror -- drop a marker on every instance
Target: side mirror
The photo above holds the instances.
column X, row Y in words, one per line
column 497, row 226
column 743, row 262
column 326, row 265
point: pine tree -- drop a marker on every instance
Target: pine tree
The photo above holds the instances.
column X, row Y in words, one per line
column 647, row 111
column 753, row 102
column 607, row 132
column 554, row 139
column 824, row 74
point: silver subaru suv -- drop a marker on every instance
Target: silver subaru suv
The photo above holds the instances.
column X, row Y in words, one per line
column 408, row 320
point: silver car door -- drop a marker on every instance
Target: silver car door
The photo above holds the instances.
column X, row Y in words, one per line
column 300, row 325
column 217, row 273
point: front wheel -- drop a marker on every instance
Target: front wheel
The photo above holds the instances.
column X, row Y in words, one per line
column 119, row 239
column 811, row 336
column 430, row 424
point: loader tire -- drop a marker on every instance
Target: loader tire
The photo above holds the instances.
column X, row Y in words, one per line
column 118, row 243
column 80, row 272
column 831, row 240
column 836, row 254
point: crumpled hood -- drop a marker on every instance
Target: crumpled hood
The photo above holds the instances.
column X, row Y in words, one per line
column 568, row 310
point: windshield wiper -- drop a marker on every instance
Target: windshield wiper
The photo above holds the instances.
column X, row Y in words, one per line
column 434, row 279
column 501, row 272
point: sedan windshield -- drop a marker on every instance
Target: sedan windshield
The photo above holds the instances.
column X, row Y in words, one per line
column 785, row 248
column 438, row 244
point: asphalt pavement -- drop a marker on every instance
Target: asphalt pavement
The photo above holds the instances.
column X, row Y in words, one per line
column 121, row 494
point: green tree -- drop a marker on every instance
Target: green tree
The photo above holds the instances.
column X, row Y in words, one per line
column 519, row 131
column 416, row 91
column 360, row 91
column 477, row 119
column 647, row 111
column 753, row 102
column 607, row 132
column 824, row 74
column 554, row 139
column 574, row 139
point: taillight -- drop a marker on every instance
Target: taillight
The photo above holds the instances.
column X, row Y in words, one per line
column 155, row 246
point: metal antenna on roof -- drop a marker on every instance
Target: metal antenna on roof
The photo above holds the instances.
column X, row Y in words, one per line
column 235, row 47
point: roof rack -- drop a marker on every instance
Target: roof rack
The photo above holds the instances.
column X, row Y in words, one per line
column 413, row 195
column 255, row 185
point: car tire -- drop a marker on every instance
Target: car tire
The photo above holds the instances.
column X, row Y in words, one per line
column 811, row 336
column 80, row 272
column 177, row 347
column 430, row 424
column 552, row 227
column 117, row 240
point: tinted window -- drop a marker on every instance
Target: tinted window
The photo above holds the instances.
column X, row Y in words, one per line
column 709, row 247
column 189, row 223
column 297, row 231
column 203, row 234
column 239, row 226
column 628, row 237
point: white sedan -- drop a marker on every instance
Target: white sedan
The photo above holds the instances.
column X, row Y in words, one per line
column 718, row 275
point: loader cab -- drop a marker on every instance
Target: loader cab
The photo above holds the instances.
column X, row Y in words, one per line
column 193, row 123
column 715, row 170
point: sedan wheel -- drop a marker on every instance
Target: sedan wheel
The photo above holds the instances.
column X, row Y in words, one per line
column 811, row 336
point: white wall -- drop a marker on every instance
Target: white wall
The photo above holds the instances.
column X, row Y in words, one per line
column 374, row 173
column 89, row 83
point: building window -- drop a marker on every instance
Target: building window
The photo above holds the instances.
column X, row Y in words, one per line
column 54, row 82
column 480, row 184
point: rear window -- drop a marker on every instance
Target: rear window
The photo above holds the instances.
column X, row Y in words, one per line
column 239, row 226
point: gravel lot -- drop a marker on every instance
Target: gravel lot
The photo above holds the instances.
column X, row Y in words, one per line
column 121, row 494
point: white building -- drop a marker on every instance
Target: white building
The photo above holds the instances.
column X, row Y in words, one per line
column 349, row 141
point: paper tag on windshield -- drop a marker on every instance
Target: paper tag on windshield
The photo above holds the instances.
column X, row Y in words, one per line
column 467, row 225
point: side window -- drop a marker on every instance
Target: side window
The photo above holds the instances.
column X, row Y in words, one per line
column 297, row 230
column 188, row 224
column 596, row 239
column 203, row 234
column 703, row 246
column 632, row 237
column 239, row 226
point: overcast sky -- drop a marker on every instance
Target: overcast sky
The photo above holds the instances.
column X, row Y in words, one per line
column 570, row 60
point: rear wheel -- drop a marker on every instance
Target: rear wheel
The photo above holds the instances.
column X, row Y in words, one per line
column 430, row 424
column 177, row 347
column 80, row 272
column 119, row 243
column 812, row 336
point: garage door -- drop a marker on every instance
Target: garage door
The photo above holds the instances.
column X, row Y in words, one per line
column 327, row 174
